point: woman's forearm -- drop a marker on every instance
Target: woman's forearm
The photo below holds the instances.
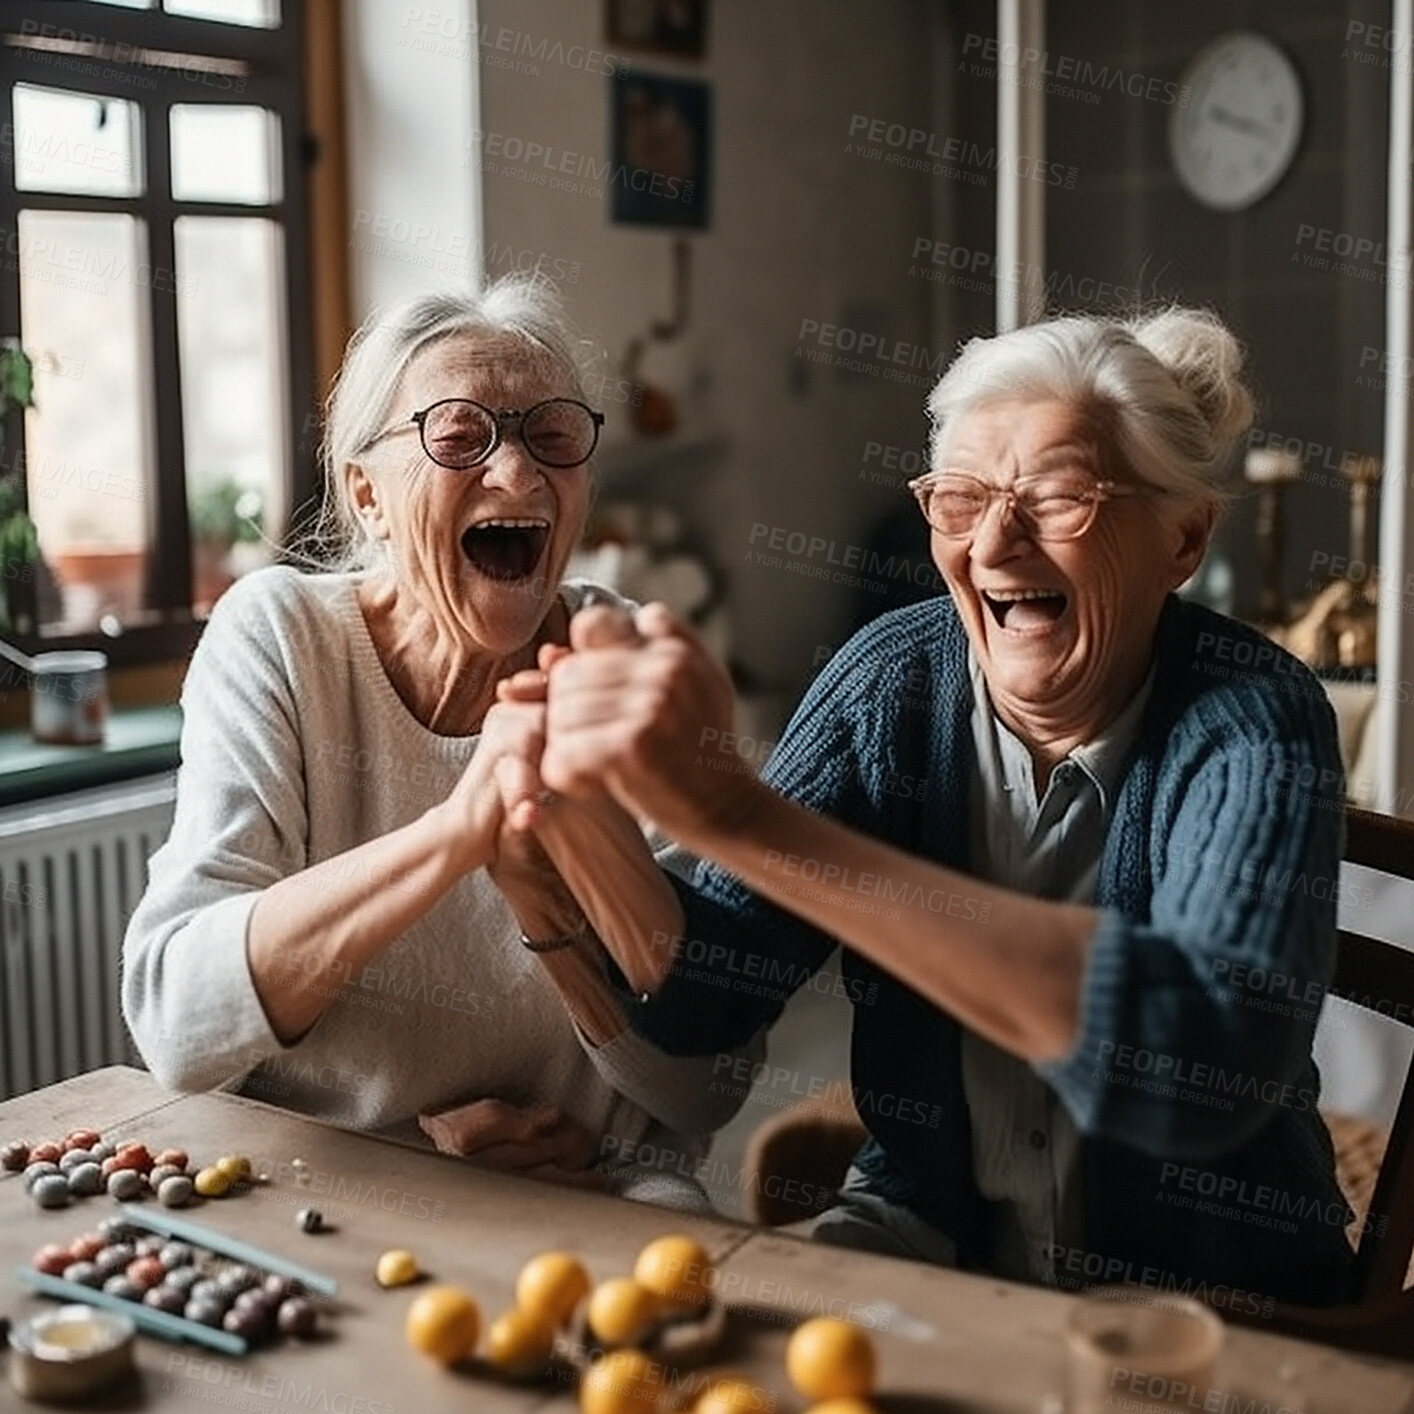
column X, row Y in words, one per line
column 1007, row 966
column 603, row 859
column 311, row 931
column 547, row 910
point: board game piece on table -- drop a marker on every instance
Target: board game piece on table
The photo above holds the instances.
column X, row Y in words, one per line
column 309, row 1220
column 205, row 1312
column 551, row 1286
column 621, row 1311
column 732, row 1394
column 125, row 1185
column 282, row 1287
column 677, row 1270
column 82, row 1274
column 165, row 1298
column 831, row 1359
column 184, row 1279
column 520, row 1344
column 444, row 1323
column 52, row 1258
column 212, row 1183
column 51, row 1190
column 622, row 1382
column 37, row 1169
column 87, row 1246
column 114, row 1258
column 134, row 1154
column 296, row 1316
column 85, row 1179
column 397, row 1268
column 145, row 1272
column 176, row 1254
column 176, row 1191
column 250, row 1323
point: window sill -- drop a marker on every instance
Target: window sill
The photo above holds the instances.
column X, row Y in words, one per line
column 142, row 741
column 139, row 644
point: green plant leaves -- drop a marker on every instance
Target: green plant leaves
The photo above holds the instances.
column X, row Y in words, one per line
column 16, row 377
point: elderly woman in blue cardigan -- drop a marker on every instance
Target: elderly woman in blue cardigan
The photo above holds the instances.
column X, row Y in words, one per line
column 1129, row 815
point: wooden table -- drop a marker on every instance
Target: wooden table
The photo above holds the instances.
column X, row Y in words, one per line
column 948, row 1342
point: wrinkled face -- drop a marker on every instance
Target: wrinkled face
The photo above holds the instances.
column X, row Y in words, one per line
column 484, row 549
column 1060, row 625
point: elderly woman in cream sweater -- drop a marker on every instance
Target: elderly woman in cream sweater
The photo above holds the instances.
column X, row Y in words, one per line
column 339, row 922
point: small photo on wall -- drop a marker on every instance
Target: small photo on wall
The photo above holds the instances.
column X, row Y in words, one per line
column 677, row 27
column 661, row 145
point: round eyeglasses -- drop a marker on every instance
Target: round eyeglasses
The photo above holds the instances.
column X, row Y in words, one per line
column 1049, row 506
column 458, row 433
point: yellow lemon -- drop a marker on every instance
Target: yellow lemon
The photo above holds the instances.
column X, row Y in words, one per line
column 622, row 1311
column 444, row 1323
column 828, row 1359
column 730, row 1394
column 519, row 1343
column 551, row 1286
column 623, row 1382
column 677, row 1269
column 396, row 1268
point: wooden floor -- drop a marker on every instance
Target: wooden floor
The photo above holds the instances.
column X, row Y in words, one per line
column 948, row 1342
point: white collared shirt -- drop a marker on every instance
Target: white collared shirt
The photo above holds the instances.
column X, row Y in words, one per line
column 1025, row 1149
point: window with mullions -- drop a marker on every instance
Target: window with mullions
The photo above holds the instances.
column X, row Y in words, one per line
column 153, row 255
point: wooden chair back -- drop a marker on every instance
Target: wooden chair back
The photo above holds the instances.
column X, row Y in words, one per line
column 1380, row 978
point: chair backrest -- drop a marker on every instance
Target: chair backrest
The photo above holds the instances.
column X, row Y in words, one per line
column 1380, row 977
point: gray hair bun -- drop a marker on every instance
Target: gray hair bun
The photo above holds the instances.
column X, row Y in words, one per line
column 1205, row 360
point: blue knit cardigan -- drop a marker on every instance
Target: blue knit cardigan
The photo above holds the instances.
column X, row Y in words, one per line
column 1206, row 1166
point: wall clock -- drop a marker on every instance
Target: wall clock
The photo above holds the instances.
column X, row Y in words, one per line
column 1237, row 133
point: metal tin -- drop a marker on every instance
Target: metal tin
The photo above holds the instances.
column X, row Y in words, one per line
column 69, row 698
column 70, row 1352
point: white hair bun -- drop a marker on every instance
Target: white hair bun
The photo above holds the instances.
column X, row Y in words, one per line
column 1205, row 360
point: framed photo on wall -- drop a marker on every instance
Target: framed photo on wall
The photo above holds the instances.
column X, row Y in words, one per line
column 677, row 27
column 660, row 141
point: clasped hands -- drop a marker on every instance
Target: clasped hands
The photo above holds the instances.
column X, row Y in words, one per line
column 628, row 715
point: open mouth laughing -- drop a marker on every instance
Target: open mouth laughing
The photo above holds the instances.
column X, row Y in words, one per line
column 1024, row 610
column 506, row 548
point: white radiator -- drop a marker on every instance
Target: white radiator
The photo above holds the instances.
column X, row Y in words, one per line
column 71, row 872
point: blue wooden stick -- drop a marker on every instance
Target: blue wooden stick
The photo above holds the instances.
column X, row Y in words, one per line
column 145, row 1318
column 185, row 1230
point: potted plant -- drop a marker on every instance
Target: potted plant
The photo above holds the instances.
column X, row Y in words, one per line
column 224, row 514
column 19, row 541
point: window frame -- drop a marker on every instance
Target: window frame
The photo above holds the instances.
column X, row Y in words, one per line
column 275, row 78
